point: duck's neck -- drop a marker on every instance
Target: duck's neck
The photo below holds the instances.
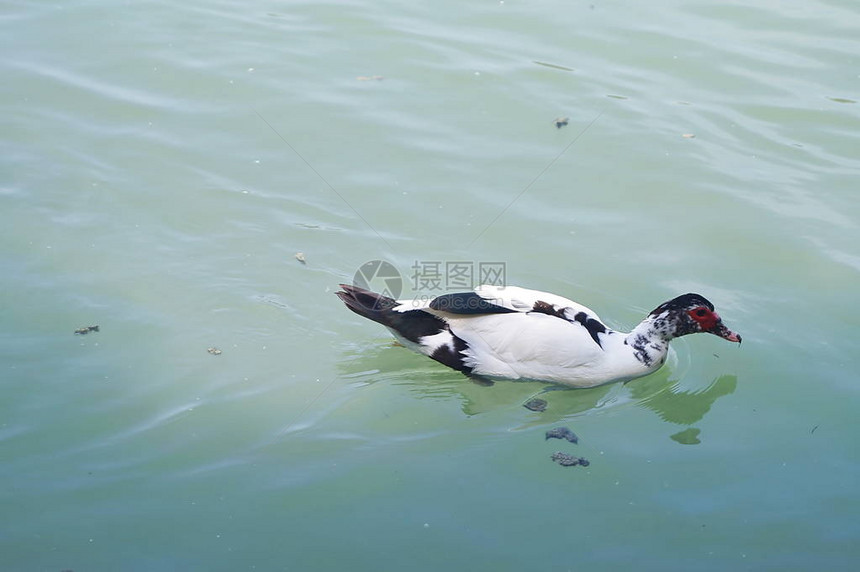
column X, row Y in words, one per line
column 650, row 341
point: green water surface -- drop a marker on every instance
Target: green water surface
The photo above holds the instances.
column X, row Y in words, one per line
column 163, row 164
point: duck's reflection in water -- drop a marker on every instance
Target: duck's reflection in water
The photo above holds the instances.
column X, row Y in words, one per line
column 658, row 392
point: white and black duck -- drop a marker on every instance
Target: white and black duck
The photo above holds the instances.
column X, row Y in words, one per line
column 515, row 333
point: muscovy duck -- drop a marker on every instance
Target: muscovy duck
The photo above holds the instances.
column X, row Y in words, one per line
column 515, row 333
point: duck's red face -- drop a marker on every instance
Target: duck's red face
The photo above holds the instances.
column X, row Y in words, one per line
column 709, row 321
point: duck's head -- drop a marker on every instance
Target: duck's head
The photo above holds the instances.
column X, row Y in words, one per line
column 691, row 314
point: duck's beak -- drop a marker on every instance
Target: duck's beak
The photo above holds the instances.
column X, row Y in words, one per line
column 721, row 330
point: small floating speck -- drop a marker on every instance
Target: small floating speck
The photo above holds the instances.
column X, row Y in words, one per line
column 613, row 96
column 688, row 135
column 214, row 351
column 560, row 122
column 553, row 66
column 370, row 78
column 300, row 256
column 841, row 100
column 86, row 330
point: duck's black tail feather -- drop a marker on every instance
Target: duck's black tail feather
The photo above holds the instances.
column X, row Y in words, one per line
column 365, row 303
column 411, row 324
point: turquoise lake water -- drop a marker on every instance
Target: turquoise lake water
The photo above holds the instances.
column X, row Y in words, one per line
column 163, row 165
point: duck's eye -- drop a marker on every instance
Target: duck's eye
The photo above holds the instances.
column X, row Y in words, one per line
column 705, row 317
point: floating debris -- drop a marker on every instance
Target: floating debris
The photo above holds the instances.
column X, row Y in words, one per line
column 300, row 256
column 535, row 404
column 562, row 433
column 688, row 135
column 560, row 122
column 86, row 330
column 370, row 78
column 553, row 66
column 214, row 351
column 566, row 460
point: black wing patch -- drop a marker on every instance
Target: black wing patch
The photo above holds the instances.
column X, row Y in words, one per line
column 466, row 303
column 593, row 326
column 452, row 355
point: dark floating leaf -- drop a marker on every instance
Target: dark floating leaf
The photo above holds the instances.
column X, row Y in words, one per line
column 566, row 460
column 562, row 433
column 535, row 404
